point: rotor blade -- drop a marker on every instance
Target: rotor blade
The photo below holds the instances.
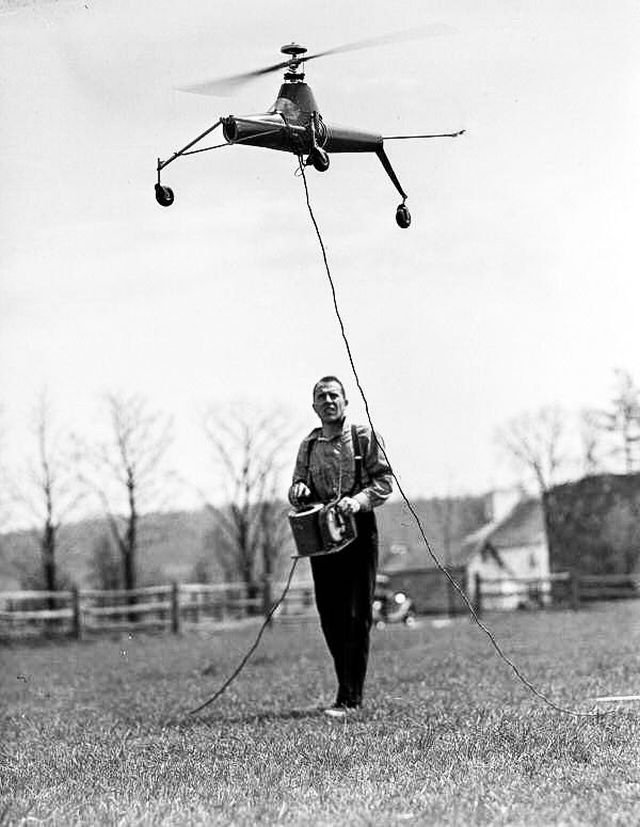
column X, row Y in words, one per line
column 431, row 30
column 227, row 85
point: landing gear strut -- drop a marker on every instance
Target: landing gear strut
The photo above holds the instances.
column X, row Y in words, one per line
column 403, row 216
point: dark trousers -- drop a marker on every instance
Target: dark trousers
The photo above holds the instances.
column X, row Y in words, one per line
column 344, row 588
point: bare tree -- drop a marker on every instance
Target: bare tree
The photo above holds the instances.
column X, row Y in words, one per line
column 105, row 571
column 48, row 490
column 247, row 450
column 590, row 442
column 621, row 422
column 127, row 472
column 218, row 556
column 536, row 442
column 274, row 534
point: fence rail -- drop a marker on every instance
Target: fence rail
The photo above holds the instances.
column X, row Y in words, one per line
column 83, row 612
column 556, row 590
column 86, row 612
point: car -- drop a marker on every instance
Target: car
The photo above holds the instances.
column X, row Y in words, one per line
column 390, row 606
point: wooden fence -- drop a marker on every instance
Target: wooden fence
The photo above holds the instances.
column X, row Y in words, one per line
column 85, row 612
column 558, row 590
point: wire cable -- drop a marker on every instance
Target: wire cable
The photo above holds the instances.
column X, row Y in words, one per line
column 408, row 503
column 253, row 648
column 226, row 144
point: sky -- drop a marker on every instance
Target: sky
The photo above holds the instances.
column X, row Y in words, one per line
column 515, row 287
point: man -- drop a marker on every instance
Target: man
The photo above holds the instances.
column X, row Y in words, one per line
column 338, row 461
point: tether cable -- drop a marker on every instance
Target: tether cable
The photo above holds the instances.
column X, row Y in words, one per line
column 408, row 503
column 253, row 648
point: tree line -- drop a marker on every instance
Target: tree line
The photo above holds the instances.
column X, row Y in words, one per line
column 551, row 445
column 126, row 474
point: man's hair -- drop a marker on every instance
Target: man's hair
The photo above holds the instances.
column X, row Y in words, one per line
column 324, row 381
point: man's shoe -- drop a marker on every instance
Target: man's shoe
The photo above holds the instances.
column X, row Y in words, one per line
column 340, row 711
column 337, row 711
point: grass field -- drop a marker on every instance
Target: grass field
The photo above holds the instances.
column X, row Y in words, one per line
column 96, row 732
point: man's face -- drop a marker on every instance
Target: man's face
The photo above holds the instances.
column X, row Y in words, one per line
column 329, row 402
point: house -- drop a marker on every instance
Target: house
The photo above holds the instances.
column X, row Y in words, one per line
column 406, row 560
column 510, row 548
column 509, row 544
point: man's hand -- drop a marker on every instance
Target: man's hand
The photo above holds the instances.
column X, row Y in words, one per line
column 299, row 494
column 349, row 505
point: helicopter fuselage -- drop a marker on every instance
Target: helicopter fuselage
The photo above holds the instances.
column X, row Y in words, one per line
column 294, row 124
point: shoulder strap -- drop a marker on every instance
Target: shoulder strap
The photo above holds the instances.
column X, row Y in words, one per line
column 357, row 456
column 312, row 439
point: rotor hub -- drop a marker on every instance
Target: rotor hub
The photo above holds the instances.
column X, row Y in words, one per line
column 293, row 49
column 295, row 62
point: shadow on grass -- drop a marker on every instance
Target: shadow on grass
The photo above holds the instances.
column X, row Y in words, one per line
column 188, row 721
column 277, row 715
column 399, row 717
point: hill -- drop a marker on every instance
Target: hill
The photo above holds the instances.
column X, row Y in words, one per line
column 170, row 545
column 173, row 543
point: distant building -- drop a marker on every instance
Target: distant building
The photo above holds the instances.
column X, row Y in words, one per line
column 446, row 522
column 507, row 544
column 510, row 549
column 405, row 559
column 589, row 527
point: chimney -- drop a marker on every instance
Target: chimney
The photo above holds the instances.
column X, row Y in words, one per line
column 501, row 501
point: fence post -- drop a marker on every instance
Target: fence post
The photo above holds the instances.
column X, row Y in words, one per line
column 477, row 595
column 574, row 586
column 76, row 620
column 175, row 608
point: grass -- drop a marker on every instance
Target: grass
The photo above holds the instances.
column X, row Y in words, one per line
column 96, row 732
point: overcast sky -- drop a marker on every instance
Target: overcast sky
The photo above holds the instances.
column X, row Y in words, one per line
column 516, row 286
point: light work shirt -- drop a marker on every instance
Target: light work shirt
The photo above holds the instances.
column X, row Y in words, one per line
column 331, row 469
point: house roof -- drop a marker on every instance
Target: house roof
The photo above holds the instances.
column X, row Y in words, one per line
column 446, row 523
column 522, row 526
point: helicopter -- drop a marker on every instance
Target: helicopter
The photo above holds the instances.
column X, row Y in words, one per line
column 293, row 124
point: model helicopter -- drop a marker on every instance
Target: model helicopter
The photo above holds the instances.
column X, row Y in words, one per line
column 293, row 124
